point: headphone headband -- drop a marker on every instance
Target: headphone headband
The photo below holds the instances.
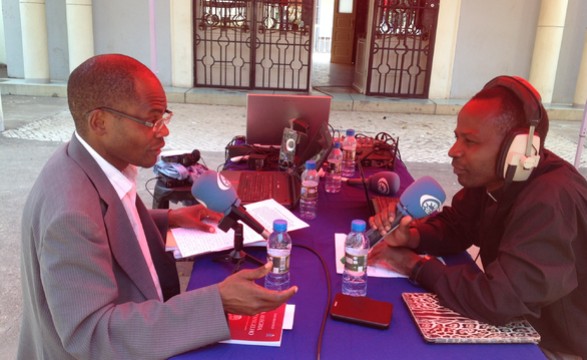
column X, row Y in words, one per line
column 525, row 92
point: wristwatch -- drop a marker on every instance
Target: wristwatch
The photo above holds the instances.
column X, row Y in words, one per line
column 417, row 268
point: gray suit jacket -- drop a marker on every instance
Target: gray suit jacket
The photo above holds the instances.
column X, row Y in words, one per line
column 87, row 292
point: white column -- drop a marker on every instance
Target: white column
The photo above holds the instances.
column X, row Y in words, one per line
column 547, row 45
column 80, row 31
column 581, row 88
column 444, row 49
column 33, row 23
column 182, row 44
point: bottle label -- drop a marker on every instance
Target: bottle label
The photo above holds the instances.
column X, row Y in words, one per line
column 348, row 155
column 309, row 192
column 334, row 167
column 280, row 264
column 355, row 262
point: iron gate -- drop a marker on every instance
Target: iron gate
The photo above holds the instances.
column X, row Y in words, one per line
column 253, row 44
column 402, row 46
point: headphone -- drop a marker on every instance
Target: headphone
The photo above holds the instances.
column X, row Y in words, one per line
column 520, row 150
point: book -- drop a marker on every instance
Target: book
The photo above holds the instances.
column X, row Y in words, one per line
column 439, row 324
column 265, row 328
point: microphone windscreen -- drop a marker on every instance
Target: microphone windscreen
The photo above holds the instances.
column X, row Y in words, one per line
column 384, row 183
column 422, row 198
column 213, row 191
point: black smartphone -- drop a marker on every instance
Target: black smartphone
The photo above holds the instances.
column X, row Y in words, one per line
column 362, row 310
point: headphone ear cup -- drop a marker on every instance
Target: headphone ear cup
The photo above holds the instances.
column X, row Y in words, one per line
column 512, row 163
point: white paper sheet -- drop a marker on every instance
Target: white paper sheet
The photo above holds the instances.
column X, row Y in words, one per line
column 192, row 242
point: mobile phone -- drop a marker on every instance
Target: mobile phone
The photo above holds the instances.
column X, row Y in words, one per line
column 362, row 310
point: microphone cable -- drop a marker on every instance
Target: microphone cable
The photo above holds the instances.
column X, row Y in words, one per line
column 328, row 297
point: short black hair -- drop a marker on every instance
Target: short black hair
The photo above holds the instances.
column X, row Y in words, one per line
column 512, row 116
column 103, row 80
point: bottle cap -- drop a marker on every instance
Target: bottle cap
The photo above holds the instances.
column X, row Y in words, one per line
column 279, row 225
column 311, row 164
column 350, row 132
column 358, row 225
column 337, row 144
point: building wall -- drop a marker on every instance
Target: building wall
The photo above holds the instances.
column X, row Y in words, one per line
column 124, row 27
column 57, row 40
column 119, row 26
column 494, row 38
column 13, row 42
column 2, row 41
column 571, row 52
column 497, row 37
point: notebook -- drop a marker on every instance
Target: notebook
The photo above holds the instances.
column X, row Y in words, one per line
column 254, row 186
column 439, row 324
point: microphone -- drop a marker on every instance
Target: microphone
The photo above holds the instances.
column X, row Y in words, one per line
column 423, row 197
column 383, row 182
column 187, row 159
column 216, row 193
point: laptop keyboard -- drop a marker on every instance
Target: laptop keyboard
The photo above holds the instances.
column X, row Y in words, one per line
column 255, row 186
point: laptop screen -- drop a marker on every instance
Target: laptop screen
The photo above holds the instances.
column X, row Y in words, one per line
column 269, row 114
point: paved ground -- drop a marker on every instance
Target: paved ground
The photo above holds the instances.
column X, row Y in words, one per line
column 36, row 126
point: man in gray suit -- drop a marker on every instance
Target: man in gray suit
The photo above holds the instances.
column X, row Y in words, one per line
column 96, row 280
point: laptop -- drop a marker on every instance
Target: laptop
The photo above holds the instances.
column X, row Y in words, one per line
column 283, row 186
column 269, row 114
column 438, row 324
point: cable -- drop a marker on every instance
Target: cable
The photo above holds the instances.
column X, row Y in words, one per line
column 147, row 188
column 328, row 297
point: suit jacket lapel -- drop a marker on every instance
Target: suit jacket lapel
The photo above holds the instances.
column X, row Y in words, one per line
column 123, row 242
column 163, row 261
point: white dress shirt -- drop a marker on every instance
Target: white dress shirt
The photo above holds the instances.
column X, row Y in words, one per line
column 124, row 184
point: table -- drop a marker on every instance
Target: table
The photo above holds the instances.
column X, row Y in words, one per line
column 343, row 340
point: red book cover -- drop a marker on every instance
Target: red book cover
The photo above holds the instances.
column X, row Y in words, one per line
column 265, row 328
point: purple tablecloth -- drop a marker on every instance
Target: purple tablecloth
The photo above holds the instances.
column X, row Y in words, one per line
column 343, row 340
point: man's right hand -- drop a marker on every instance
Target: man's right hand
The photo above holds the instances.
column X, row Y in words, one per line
column 403, row 236
column 241, row 295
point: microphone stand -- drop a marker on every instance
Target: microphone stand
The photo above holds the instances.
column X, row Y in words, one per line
column 237, row 255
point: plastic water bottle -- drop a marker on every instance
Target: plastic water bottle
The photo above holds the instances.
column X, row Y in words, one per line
column 349, row 150
column 334, row 171
column 356, row 248
column 278, row 251
column 309, row 191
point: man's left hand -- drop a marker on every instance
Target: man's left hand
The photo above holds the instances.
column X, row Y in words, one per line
column 194, row 216
column 399, row 259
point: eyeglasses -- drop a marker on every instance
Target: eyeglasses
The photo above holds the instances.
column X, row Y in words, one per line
column 155, row 125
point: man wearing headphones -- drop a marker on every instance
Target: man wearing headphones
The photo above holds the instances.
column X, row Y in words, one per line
column 526, row 210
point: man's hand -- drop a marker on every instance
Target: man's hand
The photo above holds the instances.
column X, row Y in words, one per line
column 398, row 259
column 194, row 217
column 402, row 236
column 241, row 295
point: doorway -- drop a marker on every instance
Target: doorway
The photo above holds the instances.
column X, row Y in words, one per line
column 326, row 74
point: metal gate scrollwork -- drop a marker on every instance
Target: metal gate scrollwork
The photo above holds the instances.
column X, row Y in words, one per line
column 253, row 44
column 402, row 47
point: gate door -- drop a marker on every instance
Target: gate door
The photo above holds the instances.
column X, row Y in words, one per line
column 402, row 46
column 222, row 38
column 253, row 44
